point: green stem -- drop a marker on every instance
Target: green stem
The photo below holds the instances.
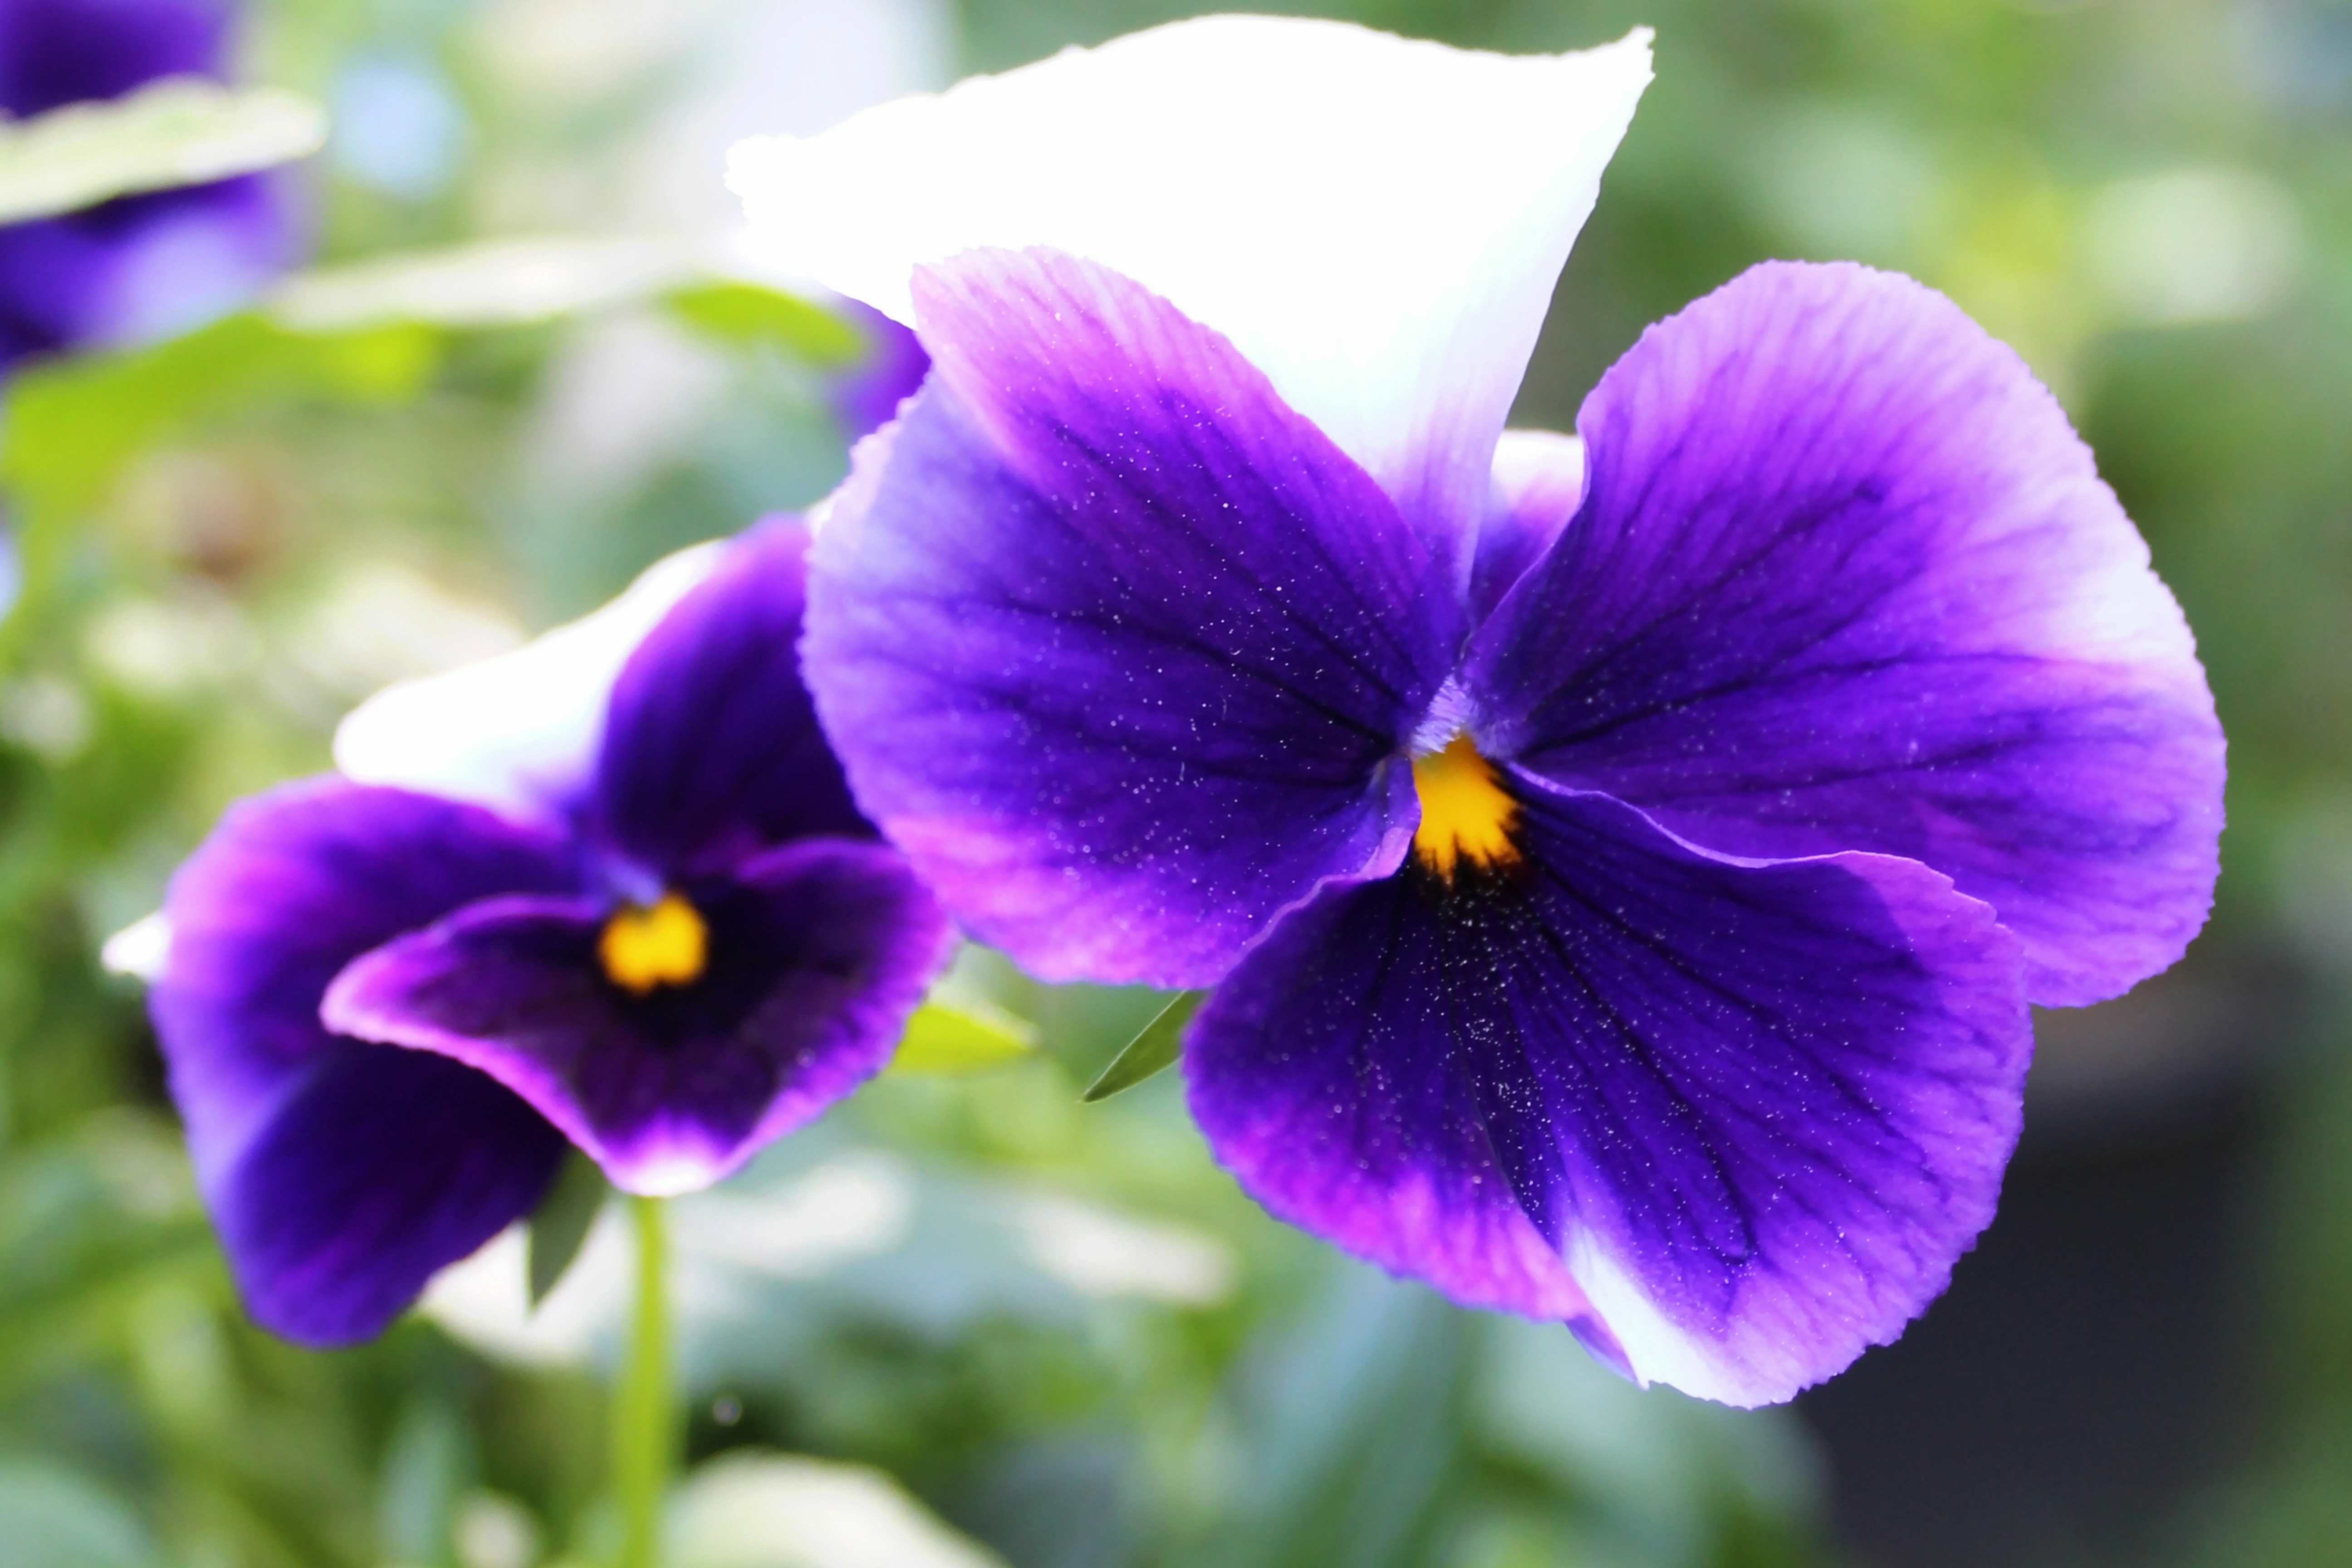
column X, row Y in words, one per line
column 644, row 1438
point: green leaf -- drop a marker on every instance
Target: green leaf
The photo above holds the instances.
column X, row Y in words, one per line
column 560, row 1225
column 962, row 1035
column 425, row 1466
column 93, row 1223
column 750, row 1508
column 70, row 428
column 1352, row 1432
column 1157, row 1048
column 738, row 312
column 518, row 282
column 488, row 283
column 177, row 133
column 53, row 1517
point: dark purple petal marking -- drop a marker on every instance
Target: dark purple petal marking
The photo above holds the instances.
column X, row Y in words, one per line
column 1734, row 1121
column 342, row 1173
column 1116, row 648
column 711, row 752
column 1845, row 578
column 816, row 956
column 56, row 52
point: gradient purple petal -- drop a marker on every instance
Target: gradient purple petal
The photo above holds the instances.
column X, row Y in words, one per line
column 341, row 1174
column 819, row 954
column 711, row 752
column 1116, row 648
column 141, row 267
column 867, row 397
column 1538, row 480
column 1734, row 1121
column 1845, row 578
column 378, row 1169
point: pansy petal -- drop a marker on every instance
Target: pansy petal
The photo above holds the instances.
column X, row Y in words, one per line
column 817, row 956
column 138, row 268
column 1538, row 480
column 1733, row 1121
column 518, row 732
column 1845, row 578
column 1375, row 223
column 1116, row 645
column 867, row 397
column 342, row 1174
column 381, row 1168
column 180, row 258
column 711, row 750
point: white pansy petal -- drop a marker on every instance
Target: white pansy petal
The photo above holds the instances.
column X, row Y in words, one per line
column 517, row 733
column 1376, row 223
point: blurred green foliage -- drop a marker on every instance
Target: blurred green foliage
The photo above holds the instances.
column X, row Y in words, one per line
column 1060, row 1326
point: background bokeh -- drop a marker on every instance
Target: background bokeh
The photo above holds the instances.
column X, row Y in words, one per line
column 1060, row 1329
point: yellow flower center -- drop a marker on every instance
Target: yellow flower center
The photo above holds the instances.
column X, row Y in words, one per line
column 1464, row 813
column 665, row 944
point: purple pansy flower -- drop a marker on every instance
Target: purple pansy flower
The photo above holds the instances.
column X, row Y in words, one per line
column 609, row 888
column 142, row 265
column 1624, row 862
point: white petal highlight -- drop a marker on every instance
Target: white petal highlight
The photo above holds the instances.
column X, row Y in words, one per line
column 1655, row 1350
column 139, row 951
column 1538, row 467
column 517, row 733
column 1376, row 223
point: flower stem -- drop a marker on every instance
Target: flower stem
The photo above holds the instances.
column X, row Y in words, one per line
column 643, row 1443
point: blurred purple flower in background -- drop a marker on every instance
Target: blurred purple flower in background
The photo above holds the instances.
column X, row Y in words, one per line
column 140, row 265
column 1626, row 862
column 610, row 887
